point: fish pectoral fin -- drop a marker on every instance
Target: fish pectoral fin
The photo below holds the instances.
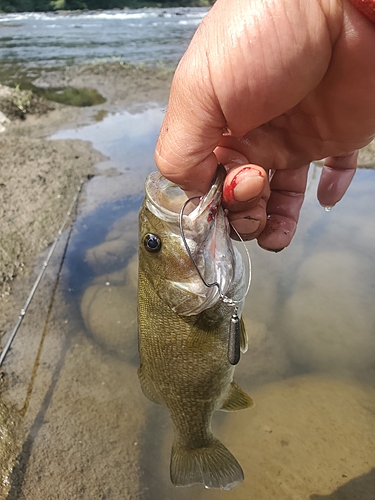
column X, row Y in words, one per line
column 236, row 399
column 148, row 387
column 212, row 464
column 243, row 337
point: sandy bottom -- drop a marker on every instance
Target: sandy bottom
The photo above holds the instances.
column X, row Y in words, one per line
column 307, row 438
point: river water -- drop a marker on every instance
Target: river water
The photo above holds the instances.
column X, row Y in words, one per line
column 30, row 42
column 310, row 317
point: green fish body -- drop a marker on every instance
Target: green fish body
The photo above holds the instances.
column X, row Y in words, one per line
column 184, row 325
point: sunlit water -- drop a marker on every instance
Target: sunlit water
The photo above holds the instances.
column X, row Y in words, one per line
column 35, row 41
column 310, row 317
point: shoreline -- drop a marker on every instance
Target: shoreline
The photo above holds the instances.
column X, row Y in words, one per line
column 38, row 177
column 127, row 5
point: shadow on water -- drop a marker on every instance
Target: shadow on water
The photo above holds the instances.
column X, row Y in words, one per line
column 359, row 488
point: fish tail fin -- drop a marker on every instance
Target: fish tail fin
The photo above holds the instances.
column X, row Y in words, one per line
column 213, row 465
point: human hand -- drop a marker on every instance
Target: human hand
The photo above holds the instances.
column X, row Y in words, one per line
column 265, row 88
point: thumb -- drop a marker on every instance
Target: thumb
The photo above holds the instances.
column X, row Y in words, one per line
column 192, row 127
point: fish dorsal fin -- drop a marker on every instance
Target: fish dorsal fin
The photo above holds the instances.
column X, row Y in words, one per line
column 147, row 387
column 243, row 336
column 236, row 399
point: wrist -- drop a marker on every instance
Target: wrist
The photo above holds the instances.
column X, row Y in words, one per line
column 367, row 7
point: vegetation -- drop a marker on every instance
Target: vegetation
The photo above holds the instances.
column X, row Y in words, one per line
column 53, row 5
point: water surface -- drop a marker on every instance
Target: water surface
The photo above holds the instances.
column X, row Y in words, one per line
column 35, row 41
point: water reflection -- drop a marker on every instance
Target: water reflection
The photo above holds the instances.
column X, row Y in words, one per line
column 310, row 365
column 44, row 40
column 109, row 213
column 127, row 138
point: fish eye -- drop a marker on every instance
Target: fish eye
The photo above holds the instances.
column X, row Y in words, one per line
column 152, row 242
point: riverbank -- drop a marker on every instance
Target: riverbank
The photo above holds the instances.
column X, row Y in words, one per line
column 38, row 180
column 77, row 7
column 38, row 177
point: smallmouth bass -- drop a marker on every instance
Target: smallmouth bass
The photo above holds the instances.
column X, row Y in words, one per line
column 184, row 326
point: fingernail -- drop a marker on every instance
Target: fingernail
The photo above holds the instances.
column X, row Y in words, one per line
column 275, row 250
column 244, row 186
column 248, row 188
column 327, row 208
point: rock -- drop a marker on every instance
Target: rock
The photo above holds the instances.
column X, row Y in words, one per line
column 366, row 158
column 3, row 121
column 108, row 255
column 121, row 243
column 3, row 118
column 17, row 103
column 109, row 310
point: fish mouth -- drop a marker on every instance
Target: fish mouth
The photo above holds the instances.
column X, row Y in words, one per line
column 206, row 232
column 166, row 199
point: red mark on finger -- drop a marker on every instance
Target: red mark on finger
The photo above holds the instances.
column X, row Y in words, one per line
column 228, row 191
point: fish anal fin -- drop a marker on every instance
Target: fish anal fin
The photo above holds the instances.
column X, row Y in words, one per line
column 148, row 387
column 243, row 337
column 213, row 465
column 236, row 399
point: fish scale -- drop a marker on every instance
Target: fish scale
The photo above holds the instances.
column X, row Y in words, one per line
column 184, row 328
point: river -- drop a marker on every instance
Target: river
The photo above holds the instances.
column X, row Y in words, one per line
column 31, row 42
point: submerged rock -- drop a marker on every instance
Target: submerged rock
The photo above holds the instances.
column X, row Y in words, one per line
column 121, row 243
column 109, row 310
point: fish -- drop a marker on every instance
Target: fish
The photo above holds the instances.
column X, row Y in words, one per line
column 184, row 325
